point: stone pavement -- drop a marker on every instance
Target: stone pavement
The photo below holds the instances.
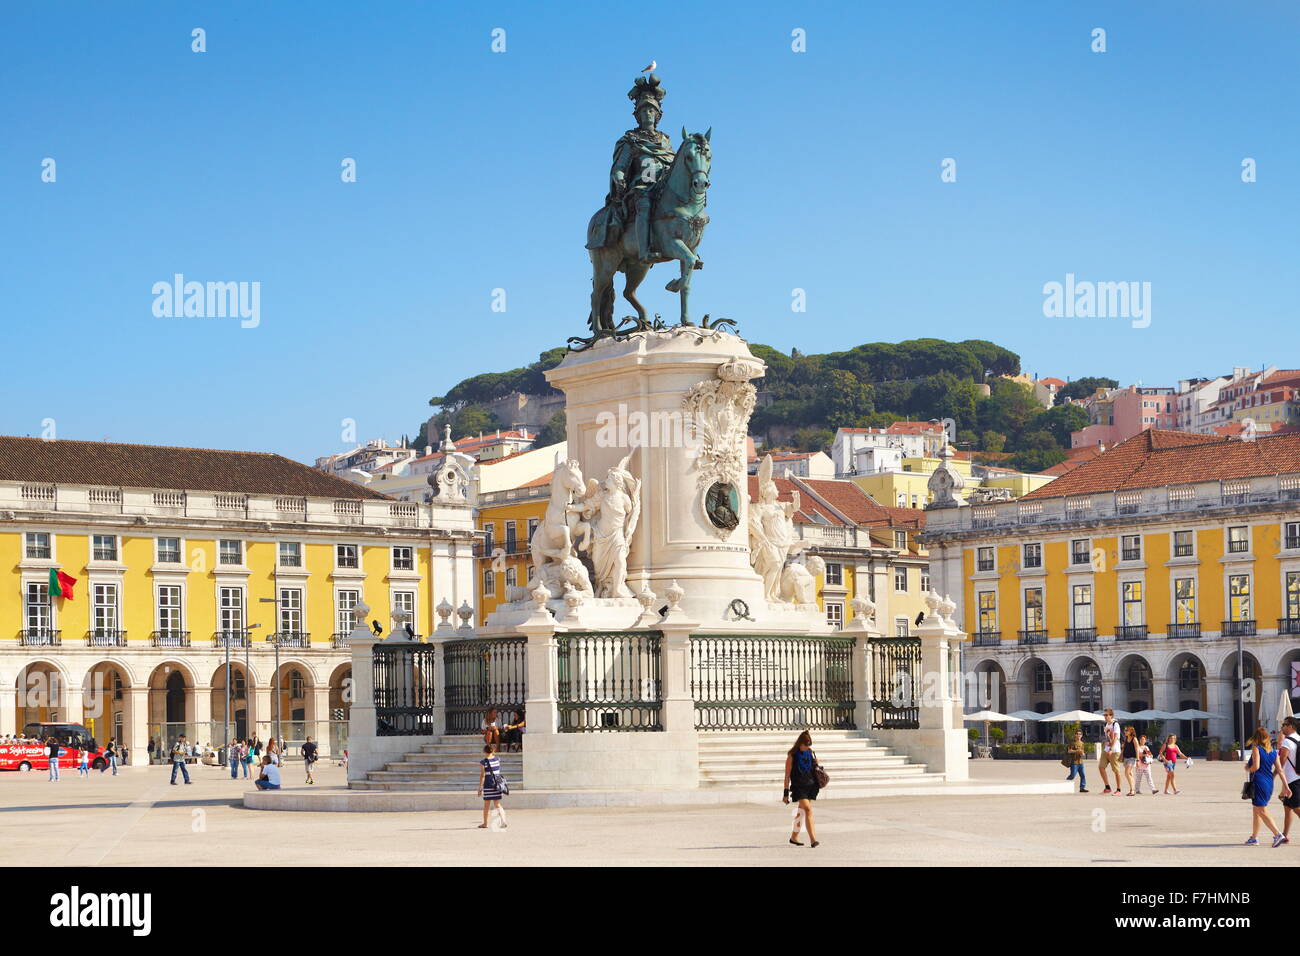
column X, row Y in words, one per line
column 138, row 819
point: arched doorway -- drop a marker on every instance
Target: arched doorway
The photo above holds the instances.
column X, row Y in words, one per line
column 240, row 716
column 42, row 694
column 105, row 702
column 1244, row 706
column 294, row 705
column 1136, row 674
column 989, row 690
column 1187, row 671
column 171, row 707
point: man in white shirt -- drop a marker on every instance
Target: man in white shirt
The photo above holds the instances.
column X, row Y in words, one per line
column 1110, row 751
column 269, row 778
column 1285, row 767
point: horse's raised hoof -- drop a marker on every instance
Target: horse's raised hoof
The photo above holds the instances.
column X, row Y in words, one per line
column 699, row 264
column 673, row 285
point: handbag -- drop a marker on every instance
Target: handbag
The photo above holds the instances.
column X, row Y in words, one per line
column 500, row 783
column 819, row 773
column 1248, row 789
column 1067, row 760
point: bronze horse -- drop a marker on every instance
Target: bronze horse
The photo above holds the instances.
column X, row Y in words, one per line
column 677, row 225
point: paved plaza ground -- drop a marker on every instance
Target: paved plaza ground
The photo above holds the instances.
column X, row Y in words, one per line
column 138, row 819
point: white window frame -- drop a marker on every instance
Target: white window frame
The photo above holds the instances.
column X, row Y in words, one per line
column 289, row 610
column 105, row 607
column 241, row 606
column 897, row 572
column 343, row 605
column 280, row 554
column 94, row 547
column 489, row 583
column 221, row 561
column 158, row 553
column 410, row 557
column 27, row 546
column 339, row 550
column 835, row 614
column 160, row 607
column 408, row 601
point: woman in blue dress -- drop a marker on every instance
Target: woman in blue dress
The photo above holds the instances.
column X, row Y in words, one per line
column 491, row 785
column 1260, row 770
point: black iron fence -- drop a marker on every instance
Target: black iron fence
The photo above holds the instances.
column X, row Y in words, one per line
column 895, row 682
column 608, row 681
column 772, row 683
column 404, row 689
column 482, row 673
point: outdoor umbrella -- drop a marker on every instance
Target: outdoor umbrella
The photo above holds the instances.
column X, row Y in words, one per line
column 1151, row 715
column 1193, row 714
column 1070, row 717
column 1284, row 709
column 1026, row 715
column 989, row 716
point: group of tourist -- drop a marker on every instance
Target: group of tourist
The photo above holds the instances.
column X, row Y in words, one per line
column 1270, row 765
column 1128, row 752
column 54, row 750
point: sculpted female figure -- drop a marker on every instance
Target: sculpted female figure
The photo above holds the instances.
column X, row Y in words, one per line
column 617, row 511
column 772, row 536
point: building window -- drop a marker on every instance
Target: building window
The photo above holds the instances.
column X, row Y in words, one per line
column 1189, row 675
column 297, row 686
column 1291, row 536
column 344, row 602
column 290, row 554
column 39, row 614
column 900, row 627
column 900, row 579
column 230, row 552
column 489, row 583
column 347, row 556
column 105, row 547
column 37, row 544
column 834, row 574
column 231, row 609
column 1184, row 544
column 532, row 528
column 835, row 614
column 1292, row 595
column 290, row 610
column 510, row 537
column 405, row 601
column 1132, row 598
column 1033, row 609
column 900, row 540
column 1082, row 610
column 925, row 580
column 1139, row 676
column 104, row 611
column 984, row 559
column 489, row 536
column 169, row 608
column 403, row 559
column 1238, row 540
column 512, row 577
column 988, row 612
column 1185, row 600
column 1081, row 551
column 1042, row 678
column 1131, row 547
column 1033, row 555
column 169, row 551
column 1239, row 597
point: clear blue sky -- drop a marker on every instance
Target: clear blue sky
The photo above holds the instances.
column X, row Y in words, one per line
column 479, row 170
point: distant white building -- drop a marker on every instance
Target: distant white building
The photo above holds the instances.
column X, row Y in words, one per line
column 868, row 451
column 799, row 464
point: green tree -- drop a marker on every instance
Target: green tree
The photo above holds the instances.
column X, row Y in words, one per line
column 993, row 441
column 1061, row 420
column 812, row 439
column 1083, row 387
column 1036, row 460
column 845, row 399
column 993, row 359
column 1008, row 408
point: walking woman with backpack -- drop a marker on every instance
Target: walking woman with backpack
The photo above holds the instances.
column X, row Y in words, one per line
column 802, row 785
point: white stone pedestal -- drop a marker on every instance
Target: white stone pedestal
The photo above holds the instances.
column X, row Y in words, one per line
column 682, row 398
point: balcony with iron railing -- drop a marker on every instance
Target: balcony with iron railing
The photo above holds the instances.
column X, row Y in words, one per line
column 1192, row 629
column 168, row 637
column 339, row 639
column 1238, row 628
column 986, row 638
column 1131, row 632
column 1033, row 637
column 1288, row 625
column 231, row 638
column 40, row 637
column 105, row 637
column 1080, row 635
column 1131, row 554
column 290, row 638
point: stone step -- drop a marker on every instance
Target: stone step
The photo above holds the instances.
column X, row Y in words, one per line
column 837, row 751
column 843, row 773
column 765, row 761
column 404, row 785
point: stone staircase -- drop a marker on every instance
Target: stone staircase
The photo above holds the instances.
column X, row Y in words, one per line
column 449, row 763
column 756, row 761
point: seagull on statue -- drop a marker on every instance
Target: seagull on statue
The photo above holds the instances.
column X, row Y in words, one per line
column 652, row 66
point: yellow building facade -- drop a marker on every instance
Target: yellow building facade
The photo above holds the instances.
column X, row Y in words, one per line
column 171, row 583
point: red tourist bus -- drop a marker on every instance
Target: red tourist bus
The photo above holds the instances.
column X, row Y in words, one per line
column 74, row 738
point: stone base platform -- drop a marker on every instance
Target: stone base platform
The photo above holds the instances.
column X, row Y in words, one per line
column 343, row 800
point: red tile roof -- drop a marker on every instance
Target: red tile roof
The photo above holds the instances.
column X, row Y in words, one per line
column 116, row 465
column 808, row 506
column 1157, row 457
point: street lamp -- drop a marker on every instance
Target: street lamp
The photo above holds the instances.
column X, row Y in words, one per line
column 225, row 730
column 274, row 638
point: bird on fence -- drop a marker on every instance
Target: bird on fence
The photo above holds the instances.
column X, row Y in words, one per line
column 377, row 628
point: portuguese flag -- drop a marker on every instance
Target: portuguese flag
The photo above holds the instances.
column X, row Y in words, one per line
column 61, row 584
